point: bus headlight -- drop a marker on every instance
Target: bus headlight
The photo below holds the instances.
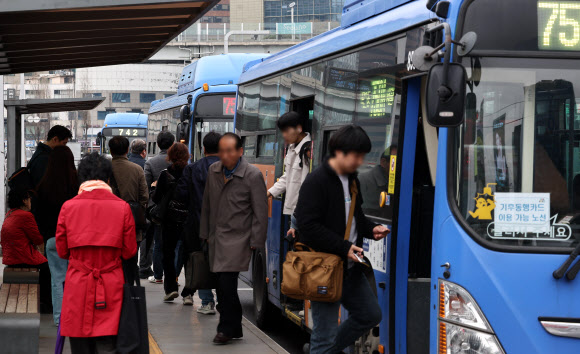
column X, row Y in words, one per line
column 464, row 340
column 462, row 326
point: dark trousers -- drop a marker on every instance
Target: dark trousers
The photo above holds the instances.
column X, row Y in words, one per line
column 94, row 345
column 43, row 283
column 171, row 234
column 229, row 305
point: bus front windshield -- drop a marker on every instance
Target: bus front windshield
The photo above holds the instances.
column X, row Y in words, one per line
column 517, row 156
column 218, row 126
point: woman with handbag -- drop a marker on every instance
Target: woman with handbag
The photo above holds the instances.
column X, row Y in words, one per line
column 173, row 216
column 95, row 232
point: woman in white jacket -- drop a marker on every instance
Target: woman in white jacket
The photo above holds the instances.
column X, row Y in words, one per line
column 296, row 163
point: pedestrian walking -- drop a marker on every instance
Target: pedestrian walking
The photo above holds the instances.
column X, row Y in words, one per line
column 172, row 226
column 22, row 243
column 128, row 179
column 190, row 192
column 95, row 232
column 57, row 135
column 60, row 183
column 296, row 163
column 137, row 155
column 323, row 207
column 234, row 220
column 153, row 168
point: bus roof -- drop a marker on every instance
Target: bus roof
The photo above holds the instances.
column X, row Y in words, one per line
column 341, row 39
column 223, row 69
column 125, row 119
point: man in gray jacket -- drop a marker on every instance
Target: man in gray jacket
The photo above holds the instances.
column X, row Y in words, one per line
column 153, row 168
column 234, row 222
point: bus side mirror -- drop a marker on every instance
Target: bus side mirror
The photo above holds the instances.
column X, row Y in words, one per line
column 184, row 113
column 446, row 94
column 99, row 138
column 182, row 133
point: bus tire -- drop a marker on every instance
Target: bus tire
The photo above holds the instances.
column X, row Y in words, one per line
column 263, row 309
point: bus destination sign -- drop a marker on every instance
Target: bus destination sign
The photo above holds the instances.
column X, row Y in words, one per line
column 128, row 132
column 559, row 25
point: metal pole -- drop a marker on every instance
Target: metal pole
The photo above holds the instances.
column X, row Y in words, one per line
column 2, row 156
column 22, row 137
column 230, row 33
column 292, row 20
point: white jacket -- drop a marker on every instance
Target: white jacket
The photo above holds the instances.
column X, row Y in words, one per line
column 293, row 176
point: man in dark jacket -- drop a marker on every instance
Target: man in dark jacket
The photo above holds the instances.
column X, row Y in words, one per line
column 57, row 135
column 322, row 212
column 138, row 152
column 190, row 191
column 137, row 156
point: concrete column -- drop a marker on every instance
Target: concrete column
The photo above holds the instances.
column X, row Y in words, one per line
column 15, row 141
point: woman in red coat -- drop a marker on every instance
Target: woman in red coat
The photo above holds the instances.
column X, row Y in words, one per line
column 95, row 231
column 20, row 240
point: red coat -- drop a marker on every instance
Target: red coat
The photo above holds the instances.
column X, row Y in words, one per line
column 95, row 230
column 18, row 237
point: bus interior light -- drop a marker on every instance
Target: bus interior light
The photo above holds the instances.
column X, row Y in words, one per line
column 206, row 87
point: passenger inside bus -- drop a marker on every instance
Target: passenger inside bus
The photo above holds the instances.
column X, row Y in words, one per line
column 376, row 180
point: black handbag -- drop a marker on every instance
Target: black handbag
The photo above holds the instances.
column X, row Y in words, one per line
column 200, row 277
column 158, row 212
column 178, row 212
column 133, row 335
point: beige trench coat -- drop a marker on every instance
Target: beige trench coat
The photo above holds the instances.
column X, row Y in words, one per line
column 234, row 216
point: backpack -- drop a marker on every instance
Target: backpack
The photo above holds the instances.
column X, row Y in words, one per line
column 21, row 180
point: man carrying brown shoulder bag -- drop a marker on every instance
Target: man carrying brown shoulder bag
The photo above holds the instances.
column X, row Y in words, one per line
column 322, row 213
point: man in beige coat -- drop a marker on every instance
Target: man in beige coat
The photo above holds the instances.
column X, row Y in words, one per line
column 234, row 220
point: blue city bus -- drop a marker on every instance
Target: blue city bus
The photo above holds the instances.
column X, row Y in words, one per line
column 475, row 167
column 130, row 125
column 207, row 88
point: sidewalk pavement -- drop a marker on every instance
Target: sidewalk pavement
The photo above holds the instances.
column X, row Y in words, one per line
column 174, row 328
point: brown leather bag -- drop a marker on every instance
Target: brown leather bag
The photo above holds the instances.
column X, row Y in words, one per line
column 316, row 276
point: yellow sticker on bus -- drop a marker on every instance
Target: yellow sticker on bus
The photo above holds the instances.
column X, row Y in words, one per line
column 392, row 174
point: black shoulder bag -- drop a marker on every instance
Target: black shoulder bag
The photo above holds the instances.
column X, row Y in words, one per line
column 133, row 335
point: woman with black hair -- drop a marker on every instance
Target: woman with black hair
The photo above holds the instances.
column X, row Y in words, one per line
column 95, row 232
column 172, row 228
column 21, row 241
column 59, row 184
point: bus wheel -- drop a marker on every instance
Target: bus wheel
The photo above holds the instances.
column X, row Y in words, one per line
column 263, row 309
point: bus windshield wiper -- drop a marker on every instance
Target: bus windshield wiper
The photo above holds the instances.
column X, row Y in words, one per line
column 571, row 274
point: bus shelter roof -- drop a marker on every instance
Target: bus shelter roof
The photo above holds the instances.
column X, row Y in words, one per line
column 35, row 106
column 40, row 35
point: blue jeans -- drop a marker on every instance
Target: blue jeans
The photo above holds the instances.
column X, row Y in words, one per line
column 178, row 258
column 158, row 253
column 364, row 313
column 58, row 267
column 206, row 296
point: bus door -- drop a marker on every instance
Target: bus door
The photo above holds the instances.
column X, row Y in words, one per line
column 412, row 189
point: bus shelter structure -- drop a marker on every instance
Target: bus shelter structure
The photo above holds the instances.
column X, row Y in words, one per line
column 17, row 108
column 40, row 35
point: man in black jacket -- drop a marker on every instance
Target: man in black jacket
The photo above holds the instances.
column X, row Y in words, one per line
column 57, row 135
column 322, row 212
column 190, row 189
